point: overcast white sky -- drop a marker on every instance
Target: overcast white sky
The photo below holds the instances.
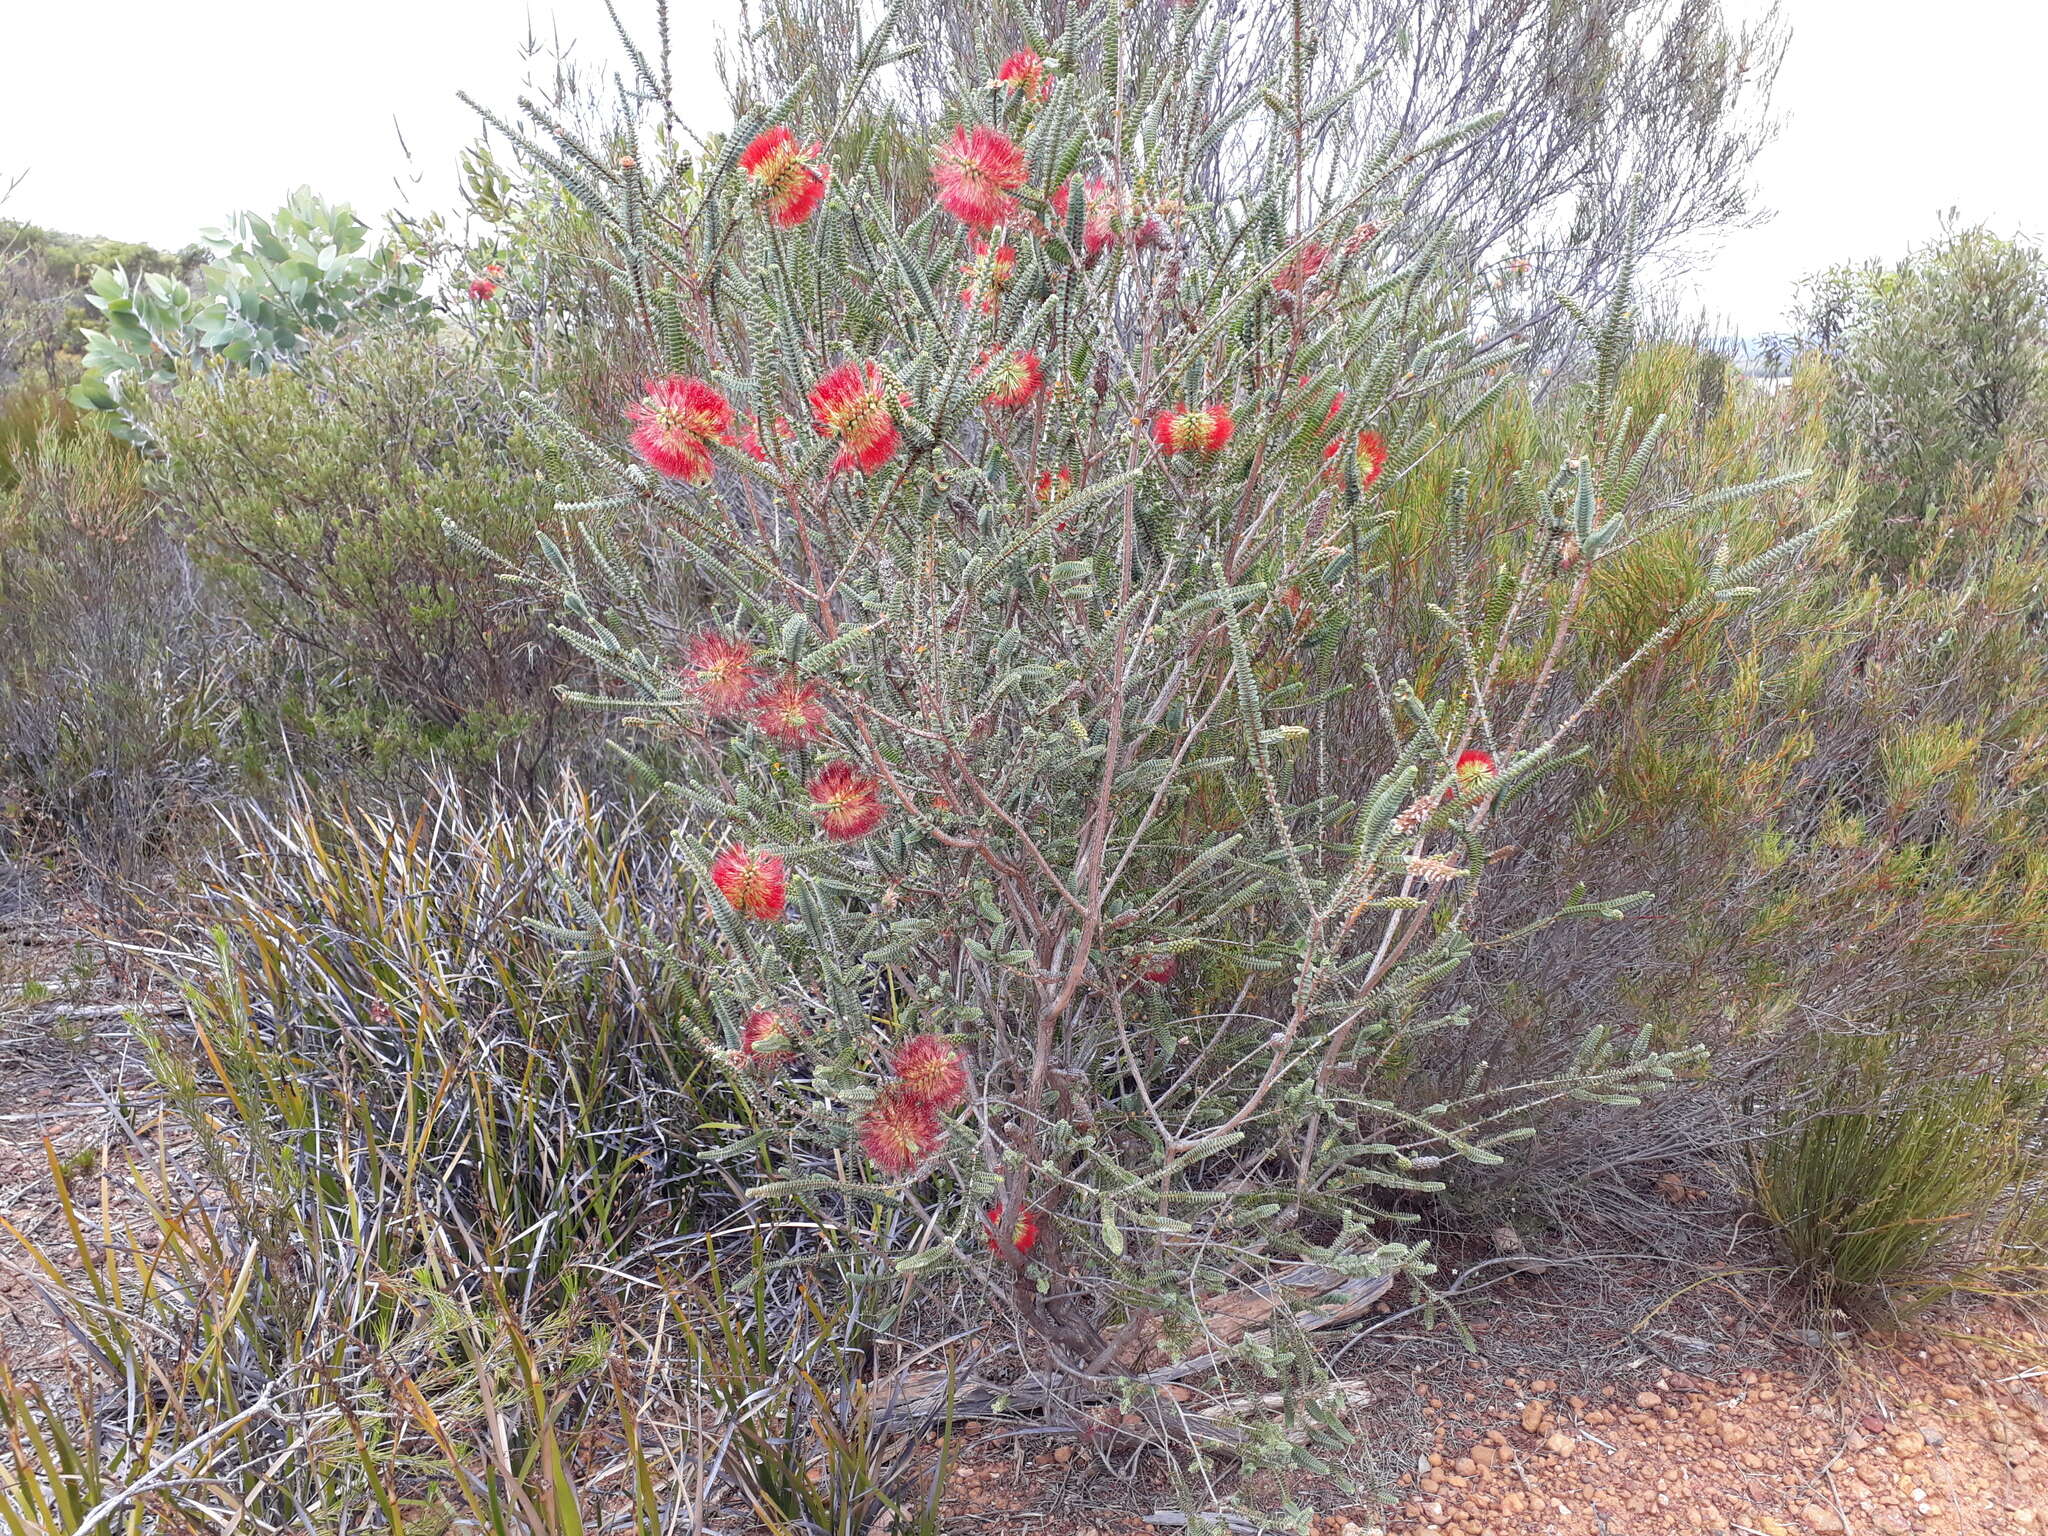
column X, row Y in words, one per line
column 143, row 120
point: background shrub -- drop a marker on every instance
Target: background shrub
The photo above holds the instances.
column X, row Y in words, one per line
column 318, row 500
column 119, row 697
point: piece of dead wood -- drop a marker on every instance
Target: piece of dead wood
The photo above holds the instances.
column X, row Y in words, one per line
column 81, row 1013
column 921, row 1396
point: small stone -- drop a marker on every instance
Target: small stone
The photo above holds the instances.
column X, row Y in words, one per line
column 1532, row 1414
column 1648, row 1400
column 1932, row 1434
column 1063, row 1454
column 1822, row 1519
column 1772, row 1527
column 1911, row 1443
column 1560, row 1444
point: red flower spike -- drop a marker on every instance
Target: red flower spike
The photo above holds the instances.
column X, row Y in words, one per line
column 482, row 288
column 1475, row 769
column 766, row 1040
column 754, row 883
column 674, row 423
column 847, row 802
column 988, row 273
column 785, row 177
column 1025, row 73
column 1181, row 430
column 1159, row 969
column 789, row 712
column 1372, row 457
column 1012, row 379
column 1023, row 1236
column 744, row 435
column 1294, row 277
column 1107, row 220
column 846, row 404
column 719, row 671
column 975, row 174
column 899, row 1131
column 933, row 1071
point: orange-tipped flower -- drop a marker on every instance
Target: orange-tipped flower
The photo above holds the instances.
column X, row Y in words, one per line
column 767, row 1040
column 899, row 1131
column 1012, row 378
column 1475, row 769
column 1023, row 1235
column 931, row 1069
column 846, row 404
column 1052, row 485
column 719, row 671
column 786, row 177
column 976, row 173
column 1181, row 430
column 754, row 883
column 674, row 423
column 847, row 802
column 987, row 271
column 1372, row 456
column 1025, row 73
column 789, row 712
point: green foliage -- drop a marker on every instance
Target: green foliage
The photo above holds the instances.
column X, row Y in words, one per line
column 1902, row 1178
column 309, row 269
column 318, row 500
column 1941, row 364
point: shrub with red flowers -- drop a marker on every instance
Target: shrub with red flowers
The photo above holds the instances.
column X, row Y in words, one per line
column 1007, row 709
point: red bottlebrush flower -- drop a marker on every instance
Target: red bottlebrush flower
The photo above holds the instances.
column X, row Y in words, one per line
column 1053, row 484
column 976, row 173
column 1012, row 379
column 933, row 1071
column 847, row 802
column 1294, row 277
column 785, row 176
column 745, row 436
column 847, row 405
column 1023, row 1236
column 1107, row 220
column 482, row 288
column 899, row 1131
column 1372, row 456
column 1181, row 430
column 674, row 423
column 754, row 883
column 1359, row 238
column 1159, row 969
column 789, row 712
column 988, row 273
column 1025, row 72
column 766, row 1040
column 1474, row 769
column 719, row 670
